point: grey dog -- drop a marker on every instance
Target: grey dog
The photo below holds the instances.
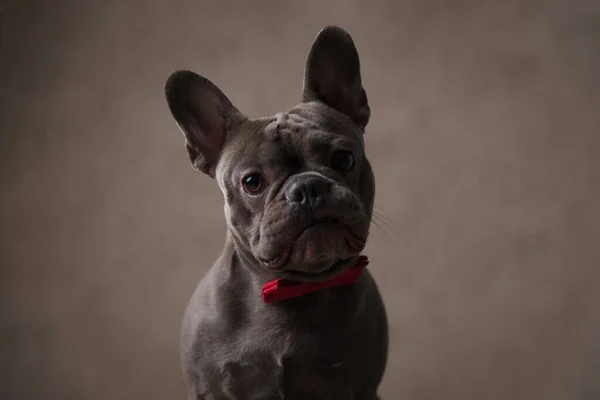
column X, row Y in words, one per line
column 299, row 195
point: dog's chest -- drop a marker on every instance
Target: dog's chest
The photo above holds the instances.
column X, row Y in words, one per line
column 293, row 366
column 304, row 358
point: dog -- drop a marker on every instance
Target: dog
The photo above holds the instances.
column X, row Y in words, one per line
column 288, row 310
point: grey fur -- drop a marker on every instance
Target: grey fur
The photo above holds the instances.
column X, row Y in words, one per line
column 330, row 344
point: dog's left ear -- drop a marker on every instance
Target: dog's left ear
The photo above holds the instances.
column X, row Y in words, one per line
column 332, row 75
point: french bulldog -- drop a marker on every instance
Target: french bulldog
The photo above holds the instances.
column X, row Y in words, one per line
column 288, row 310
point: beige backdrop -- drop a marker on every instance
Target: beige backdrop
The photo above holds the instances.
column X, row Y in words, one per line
column 484, row 136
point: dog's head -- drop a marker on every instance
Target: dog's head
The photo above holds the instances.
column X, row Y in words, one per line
column 298, row 188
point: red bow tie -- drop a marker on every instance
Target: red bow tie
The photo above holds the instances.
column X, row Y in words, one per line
column 281, row 289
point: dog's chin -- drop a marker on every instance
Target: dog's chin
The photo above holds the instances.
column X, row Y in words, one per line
column 320, row 252
column 319, row 271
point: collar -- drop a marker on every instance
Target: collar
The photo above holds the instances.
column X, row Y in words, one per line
column 282, row 289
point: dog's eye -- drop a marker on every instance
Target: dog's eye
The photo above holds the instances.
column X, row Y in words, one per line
column 252, row 183
column 342, row 160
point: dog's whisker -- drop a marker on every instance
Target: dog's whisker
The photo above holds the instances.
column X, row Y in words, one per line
column 382, row 216
column 386, row 221
column 389, row 228
column 378, row 226
column 383, row 221
column 379, row 155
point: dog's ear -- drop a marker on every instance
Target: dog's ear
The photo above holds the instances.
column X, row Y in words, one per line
column 332, row 75
column 204, row 115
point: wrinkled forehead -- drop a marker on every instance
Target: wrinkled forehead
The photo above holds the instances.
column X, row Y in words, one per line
column 307, row 129
column 313, row 119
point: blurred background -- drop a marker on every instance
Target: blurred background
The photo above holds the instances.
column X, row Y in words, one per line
column 484, row 138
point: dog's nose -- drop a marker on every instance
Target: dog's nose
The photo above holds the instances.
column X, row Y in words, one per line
column 308, row 191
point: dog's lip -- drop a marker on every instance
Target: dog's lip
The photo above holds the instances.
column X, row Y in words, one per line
column 277, row 262
column 319, row 276
column 280, row 259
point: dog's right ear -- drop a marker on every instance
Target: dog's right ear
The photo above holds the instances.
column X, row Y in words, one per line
column 204, row 115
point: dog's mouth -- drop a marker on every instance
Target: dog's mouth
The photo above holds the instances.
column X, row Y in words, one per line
column 354, row 243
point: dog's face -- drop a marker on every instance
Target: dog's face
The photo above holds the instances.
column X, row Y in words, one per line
column 298, row 188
